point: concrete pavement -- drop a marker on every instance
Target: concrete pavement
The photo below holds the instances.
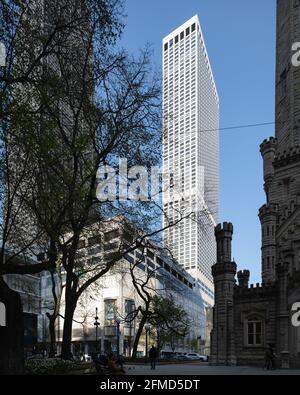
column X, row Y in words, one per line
column 200, row 368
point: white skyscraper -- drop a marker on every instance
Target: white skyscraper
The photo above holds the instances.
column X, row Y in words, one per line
column 191, row 152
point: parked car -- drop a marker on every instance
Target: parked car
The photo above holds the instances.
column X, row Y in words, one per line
column 197, row 357
column 168, row 357
column 182, row 357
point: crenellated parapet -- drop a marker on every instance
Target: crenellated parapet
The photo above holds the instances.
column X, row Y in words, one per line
column 287, row 157
column 224, row 230
column 268, row 209
column 243, row 278
column 268, row 144
column 255, row 291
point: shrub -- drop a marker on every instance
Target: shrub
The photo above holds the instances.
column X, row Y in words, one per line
column 48, row 366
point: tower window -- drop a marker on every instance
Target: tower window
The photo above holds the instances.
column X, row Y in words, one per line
column 254, row 333
column 187, row 32
column 181, row 35
column 176, row 39
column 193, row 27
column 166, row 46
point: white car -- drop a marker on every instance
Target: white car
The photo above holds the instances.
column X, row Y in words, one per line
column 193, row 356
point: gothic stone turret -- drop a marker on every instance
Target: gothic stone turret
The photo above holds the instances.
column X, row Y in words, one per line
column 268, row 215
column 267, row 150
column 243, row 278
column 222, row 341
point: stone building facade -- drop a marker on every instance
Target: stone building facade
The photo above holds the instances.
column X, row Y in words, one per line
column 248, row 319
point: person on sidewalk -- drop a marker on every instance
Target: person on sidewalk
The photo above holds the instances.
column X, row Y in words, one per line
column 270, row 358
column 153, row 356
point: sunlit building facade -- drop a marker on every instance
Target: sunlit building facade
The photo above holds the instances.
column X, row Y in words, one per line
column 190, row 153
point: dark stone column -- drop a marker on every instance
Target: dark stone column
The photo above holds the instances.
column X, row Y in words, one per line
column 12, row 334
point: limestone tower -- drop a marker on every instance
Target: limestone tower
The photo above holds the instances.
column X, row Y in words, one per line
column 269, row 305
column 280, row 216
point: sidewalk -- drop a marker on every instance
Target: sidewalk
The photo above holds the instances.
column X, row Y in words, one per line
column 203, row 369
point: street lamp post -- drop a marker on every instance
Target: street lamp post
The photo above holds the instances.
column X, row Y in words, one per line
column 118, row 321
column 96, row 324
column 147, row 328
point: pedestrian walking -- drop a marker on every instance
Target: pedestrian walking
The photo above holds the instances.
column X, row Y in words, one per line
column 153, row 356
column 270, row 357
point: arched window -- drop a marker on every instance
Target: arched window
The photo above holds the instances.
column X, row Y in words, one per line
column 2, row 314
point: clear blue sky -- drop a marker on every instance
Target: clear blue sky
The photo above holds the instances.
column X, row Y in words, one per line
column 240, row 39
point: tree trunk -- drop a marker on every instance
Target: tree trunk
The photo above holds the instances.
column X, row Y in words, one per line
column 56, row 292
column 52, row 333
column 70, row 306
column 66, row 352
column 11, row 332
column 138, row 336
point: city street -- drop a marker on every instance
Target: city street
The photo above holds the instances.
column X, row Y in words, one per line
column 200, row 368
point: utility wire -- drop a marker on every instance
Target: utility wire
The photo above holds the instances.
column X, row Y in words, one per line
column 238, row 127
